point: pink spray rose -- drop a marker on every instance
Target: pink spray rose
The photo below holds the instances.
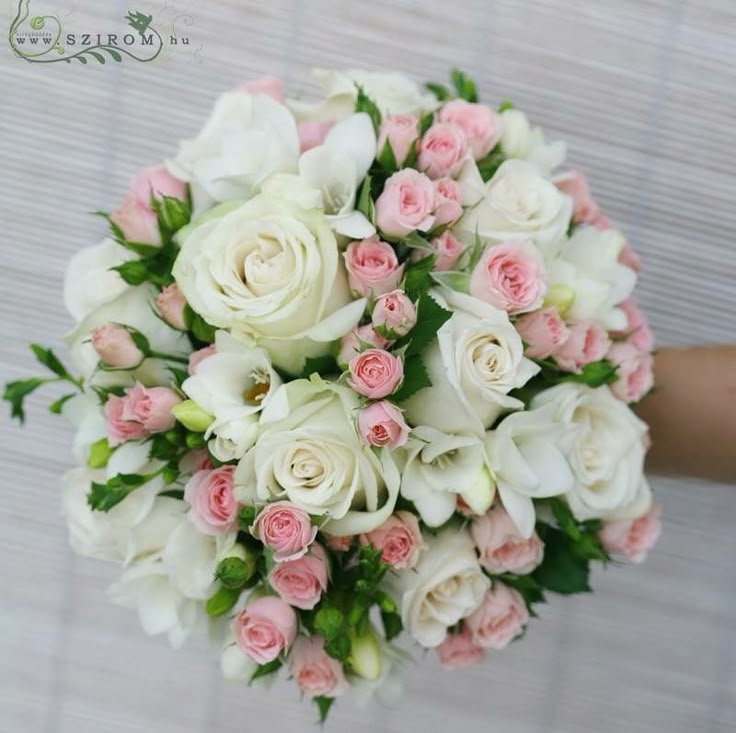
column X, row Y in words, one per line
column 340, row 543
column 510, row 276
column 213, row 508
column 315, row 671
column 482, row 125
column 443, row 150
column 139, row 413
column 448, row 249
column 265, row 628
column 448, row 201
column 195, row 460
column 312, row 134
column 373, row 267
column 584, row 208
column 637, row 330
column 357, row 340
column 629, row 258
column 399, row 539
column 586, row 342
column 395, row 312
column 115, row 347
column 401, row 132
column 286, row 529
column 375, row 373
column 269, row 85
column 197, row 357
column 635, row 370
column 499, row 619
column 632, row 538
column 171, row 303
column 502, row 549
column 301, row 582
column 382, row 425
column 544, row 331
column 459, row 651
column 406, row 204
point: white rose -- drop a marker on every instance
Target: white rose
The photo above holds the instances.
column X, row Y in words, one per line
column 272, row 271
column 477, row 359
column 309, row 452
column 517, row 203
column 233, row 385
column 445, row 586
column 162, row 609
column 393, row 93
column 527, row 459
column 588, row 265
column 520, row 140
column 606, row 451
column 89, row 281
column 441, row 467
column 246, row 138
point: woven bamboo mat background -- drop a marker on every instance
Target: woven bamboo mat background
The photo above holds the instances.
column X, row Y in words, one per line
column 644, row 91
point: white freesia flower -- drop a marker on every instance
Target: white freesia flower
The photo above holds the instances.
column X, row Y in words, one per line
column 517, row 203
column 89, row 281
column 393, row 93
column 477, row 359
column 441, row 467
column 606, row 453
column 445, row 586
column 269, row 270
column 87, row 415
column 246, row 138
column 527, row 458
column 521, row 140
column 309, row 453
column 588, row 265
column 233, row 385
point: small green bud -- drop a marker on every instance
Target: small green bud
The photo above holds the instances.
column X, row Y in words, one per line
column 192, row 416
column 561, row 296
column 235, row 571
column 195, row 441
column 99, row 454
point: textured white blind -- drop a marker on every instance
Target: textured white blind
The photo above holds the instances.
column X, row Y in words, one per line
column 645, row 94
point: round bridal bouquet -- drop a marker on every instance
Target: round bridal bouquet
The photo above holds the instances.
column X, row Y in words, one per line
column 352, row 372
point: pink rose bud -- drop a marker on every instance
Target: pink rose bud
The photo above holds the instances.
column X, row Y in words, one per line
column 637, row 330
column 375, row 373
column 448, row 202
column 635, row 370
column 357, row 340
column 197, row 357
column 301, row 582
column 312, row 134
column 448, row 249
column 316, row 673
column 544, row 331
column 115, row 347
column 443, row 150
column 373, row 267
column 632, row 538
column 399, row 539
column 459, row 651
column 500, row 546
column 195, row 460
column 340, row 544
column 139, row 413
column 272, row 86
column 499, row 619
column 265, row 628
column 406, row 204
column 401, row 132
column 584, row 208
column 395, row 312
column 602, row 223
column 482, row 125
column 171, row 303
column 156, row 181
column 382, row 425
column 586, row 342
column 510, row 276
column 286, row 529
column 213, row 508
column 629, row 258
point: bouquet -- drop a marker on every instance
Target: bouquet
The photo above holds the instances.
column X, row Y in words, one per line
column 352, row 372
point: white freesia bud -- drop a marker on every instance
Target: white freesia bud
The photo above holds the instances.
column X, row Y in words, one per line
column 365, row 655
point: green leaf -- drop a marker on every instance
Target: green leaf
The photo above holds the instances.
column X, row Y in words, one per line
column 329, row 622
column 561, row 571
column 594, row 374
column 363, row 103
column 365, row 203
column 233, row 572
column 266, row 669
column 529, row 588
column 415, row 378
column 339, row 647
column 50, row 361
column 565, row 519
column 323, row 706
column 326, row 364
column 455, row 280
column 56, row 407
column 104, row 497
column 430, row 318
column 387, row 159
column 202, row 330
column 488, row 165
column 464, row 86
column 417, row 279
column 385, row 602
column 140, row 248
column 426, row 122
column 439, row 90
column 476, row 252
column 16, row 392
column 222, row 601
column 173, row 494
column 392, row 625
column 133, row 272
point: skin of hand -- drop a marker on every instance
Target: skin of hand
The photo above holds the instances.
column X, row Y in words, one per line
column 692, row 413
